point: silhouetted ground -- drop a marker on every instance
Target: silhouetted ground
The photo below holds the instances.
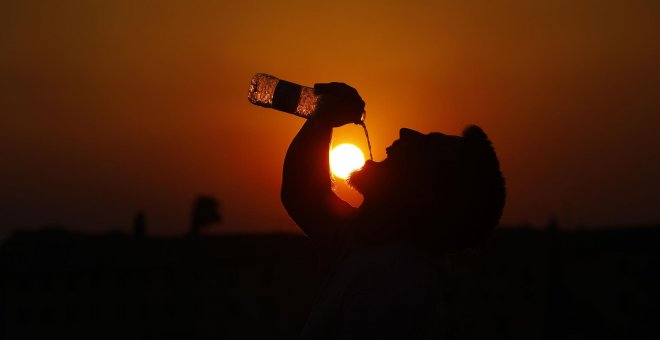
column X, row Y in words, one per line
column 525, row 284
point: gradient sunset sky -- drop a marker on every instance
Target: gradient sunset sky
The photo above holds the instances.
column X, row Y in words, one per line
column 109, row 107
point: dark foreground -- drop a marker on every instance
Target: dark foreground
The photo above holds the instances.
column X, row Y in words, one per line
column 524, row 284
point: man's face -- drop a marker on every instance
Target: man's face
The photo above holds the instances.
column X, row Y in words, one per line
column 375, row 178
column 412, row 160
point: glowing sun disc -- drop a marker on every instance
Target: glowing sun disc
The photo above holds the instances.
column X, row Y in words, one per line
column 344, row 159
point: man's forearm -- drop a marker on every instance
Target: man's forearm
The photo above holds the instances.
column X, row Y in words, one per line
column 306, row 166
column 306, row 183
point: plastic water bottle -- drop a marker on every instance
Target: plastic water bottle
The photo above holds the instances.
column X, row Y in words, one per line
column 271, row 92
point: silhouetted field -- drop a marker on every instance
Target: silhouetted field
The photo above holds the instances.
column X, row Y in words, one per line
column 524, row 284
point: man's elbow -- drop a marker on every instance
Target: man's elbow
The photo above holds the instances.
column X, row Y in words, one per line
column 294, row 203
column 287, row 199
column 298, row 211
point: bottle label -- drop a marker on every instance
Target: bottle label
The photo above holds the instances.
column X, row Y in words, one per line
column 286, row 96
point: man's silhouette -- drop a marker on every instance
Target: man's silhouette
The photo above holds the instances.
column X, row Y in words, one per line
column 433, row 194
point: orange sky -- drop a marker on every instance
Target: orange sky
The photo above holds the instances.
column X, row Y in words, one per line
column 107, row 107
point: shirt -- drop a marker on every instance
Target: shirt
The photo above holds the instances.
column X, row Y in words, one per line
column 386, row 291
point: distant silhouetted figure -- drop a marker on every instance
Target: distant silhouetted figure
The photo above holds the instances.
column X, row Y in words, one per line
column 205, row 211
column 434, row 194
column 139, row 224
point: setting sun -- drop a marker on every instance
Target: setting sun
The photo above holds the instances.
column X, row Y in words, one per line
column 344, row 159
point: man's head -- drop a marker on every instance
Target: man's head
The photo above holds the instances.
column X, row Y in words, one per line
column 445, row 190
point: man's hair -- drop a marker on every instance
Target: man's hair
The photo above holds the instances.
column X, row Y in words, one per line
column 465, row 195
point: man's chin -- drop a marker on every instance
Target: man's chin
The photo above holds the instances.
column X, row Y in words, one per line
column 356, row 181
column 365, row 179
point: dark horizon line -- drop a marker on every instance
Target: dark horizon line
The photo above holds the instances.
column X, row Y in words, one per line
column 213, row 232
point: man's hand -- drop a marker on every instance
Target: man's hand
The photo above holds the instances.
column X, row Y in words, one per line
column 340, row 104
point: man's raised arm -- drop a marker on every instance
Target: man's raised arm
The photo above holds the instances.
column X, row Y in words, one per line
column 306, row 183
